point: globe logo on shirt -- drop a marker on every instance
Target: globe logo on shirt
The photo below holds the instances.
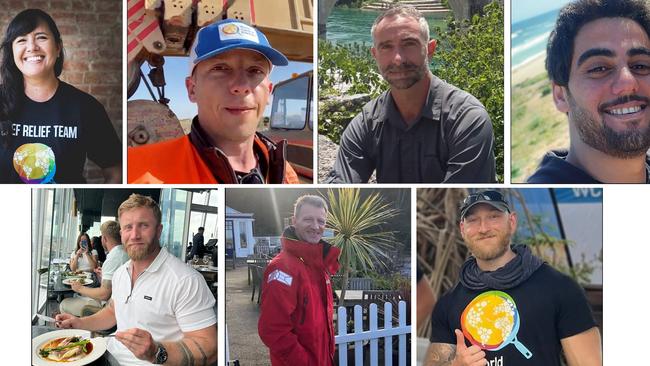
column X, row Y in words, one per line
column 35, row 163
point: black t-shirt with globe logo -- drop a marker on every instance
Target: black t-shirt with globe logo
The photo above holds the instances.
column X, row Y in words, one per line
column 51, row 140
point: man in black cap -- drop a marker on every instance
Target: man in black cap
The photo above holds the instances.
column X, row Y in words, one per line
column 509, row 308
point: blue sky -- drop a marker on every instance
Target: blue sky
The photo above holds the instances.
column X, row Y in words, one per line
column 524, row 9
column 176, row 69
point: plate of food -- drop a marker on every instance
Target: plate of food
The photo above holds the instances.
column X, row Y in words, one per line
column 84, row 281
column 74, row 347
column 76, row 274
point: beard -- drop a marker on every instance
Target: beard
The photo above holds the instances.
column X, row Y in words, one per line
column 485, row 252
column 142, row 252
column 632, row 142
column 417, row 72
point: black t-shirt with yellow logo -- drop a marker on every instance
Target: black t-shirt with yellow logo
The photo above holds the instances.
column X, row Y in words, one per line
column 519, row 326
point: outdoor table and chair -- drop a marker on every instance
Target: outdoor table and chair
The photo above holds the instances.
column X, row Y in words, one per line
column 263, row 262
column 256, row 271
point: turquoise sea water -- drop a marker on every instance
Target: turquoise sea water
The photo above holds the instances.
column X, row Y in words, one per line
column 353, row 25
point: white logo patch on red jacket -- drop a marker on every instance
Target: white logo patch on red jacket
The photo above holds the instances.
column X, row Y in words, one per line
column 280, row 276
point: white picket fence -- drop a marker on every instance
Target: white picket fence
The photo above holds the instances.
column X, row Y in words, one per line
column 373, row 334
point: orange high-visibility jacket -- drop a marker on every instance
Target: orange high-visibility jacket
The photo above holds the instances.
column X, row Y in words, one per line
column 178, row 161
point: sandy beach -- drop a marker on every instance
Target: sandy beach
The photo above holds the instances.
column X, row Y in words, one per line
column 536, row 125
column 529, row 69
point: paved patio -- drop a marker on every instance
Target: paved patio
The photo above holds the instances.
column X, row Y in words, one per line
column 241, row 316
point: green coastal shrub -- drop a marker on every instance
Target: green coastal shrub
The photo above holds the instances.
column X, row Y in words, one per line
column 470, row 56
column 344, row 69
column 351, row 3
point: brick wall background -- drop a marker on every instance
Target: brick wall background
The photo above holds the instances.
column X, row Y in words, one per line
column 92, row 38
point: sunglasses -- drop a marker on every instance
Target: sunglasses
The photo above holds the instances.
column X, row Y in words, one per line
column 483, row 196
column 253, row 177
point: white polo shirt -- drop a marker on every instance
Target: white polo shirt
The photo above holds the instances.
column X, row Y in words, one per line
column 168, row 298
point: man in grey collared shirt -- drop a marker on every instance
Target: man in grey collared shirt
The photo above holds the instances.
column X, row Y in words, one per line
column 422, row 130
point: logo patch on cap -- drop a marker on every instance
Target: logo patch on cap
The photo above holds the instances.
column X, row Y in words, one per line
column 230, row 31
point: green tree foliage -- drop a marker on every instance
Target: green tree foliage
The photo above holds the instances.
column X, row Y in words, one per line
column 470, row 56
column 344, row 69
column 351, row 3
column 357, row 225
column 349, row 65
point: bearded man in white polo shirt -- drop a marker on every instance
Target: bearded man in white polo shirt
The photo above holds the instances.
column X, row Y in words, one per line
column 163, row 309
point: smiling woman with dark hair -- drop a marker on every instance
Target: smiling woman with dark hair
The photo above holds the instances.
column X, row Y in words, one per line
column 48, row 127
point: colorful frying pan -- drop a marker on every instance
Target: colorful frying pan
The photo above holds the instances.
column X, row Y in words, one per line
column 491, row 322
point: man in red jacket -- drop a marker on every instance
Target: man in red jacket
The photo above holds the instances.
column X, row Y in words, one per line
column 296, row 309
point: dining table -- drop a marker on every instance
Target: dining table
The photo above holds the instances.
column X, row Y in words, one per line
column 61, row 289
column 210, row 274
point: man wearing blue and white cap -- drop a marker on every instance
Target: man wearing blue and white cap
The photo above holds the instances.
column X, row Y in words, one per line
column 230, row 63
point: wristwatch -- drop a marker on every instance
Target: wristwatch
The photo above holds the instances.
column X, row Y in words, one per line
column 161, row 355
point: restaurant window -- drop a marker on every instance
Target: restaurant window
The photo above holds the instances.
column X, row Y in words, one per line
column 197, row 220
column 55, row 224
column 243, row 243
column 203, row 213
column 42, row 210
column 213, row 200
column 200, row 198
column 174, row 206
column 201, row 219
column 210, row 226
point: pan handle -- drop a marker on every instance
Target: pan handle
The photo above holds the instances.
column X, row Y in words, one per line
column 521, row 348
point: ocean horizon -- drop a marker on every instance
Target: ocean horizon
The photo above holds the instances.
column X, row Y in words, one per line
column 529, row 37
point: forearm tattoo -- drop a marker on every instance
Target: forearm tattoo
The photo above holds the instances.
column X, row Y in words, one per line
column 440, row 354
column 107, row 284
column 188, row 357
column 204, row 358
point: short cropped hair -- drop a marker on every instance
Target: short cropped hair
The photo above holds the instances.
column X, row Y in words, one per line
column 111, row 229
column 405, row 11
column 311, row 200
column 559, row 50
column 136, row 201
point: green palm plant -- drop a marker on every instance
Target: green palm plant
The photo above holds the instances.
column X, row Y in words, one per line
column 357, row 231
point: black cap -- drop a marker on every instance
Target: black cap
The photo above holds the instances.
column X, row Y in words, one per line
column 492, row 198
